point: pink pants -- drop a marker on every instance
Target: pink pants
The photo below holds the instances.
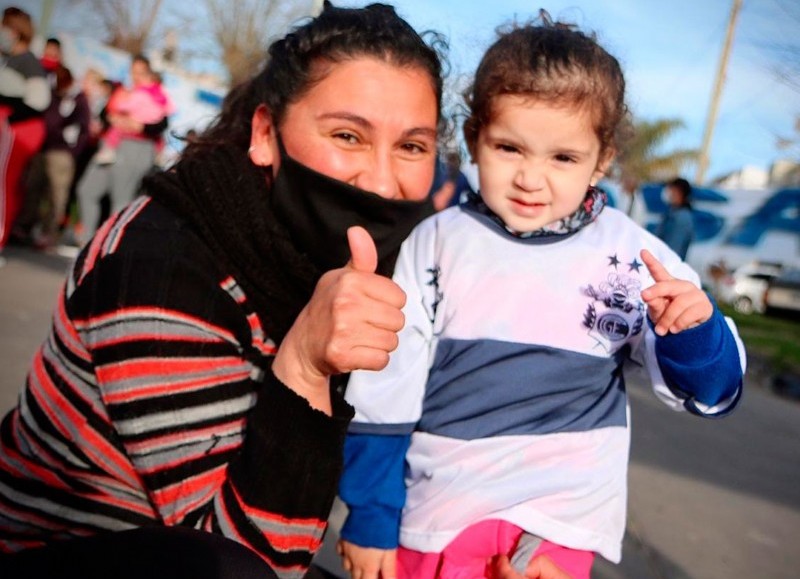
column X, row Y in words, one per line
column 467, row 555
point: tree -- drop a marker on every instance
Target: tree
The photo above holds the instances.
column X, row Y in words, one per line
column 243, row 29
column 129, row 23
column 640, row 159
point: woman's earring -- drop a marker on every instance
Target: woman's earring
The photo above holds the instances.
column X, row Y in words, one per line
column 250, row 154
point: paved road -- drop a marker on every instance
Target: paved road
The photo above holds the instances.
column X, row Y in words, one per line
column 708, row 499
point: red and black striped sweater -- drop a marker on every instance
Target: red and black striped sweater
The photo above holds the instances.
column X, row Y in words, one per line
column 151, row 403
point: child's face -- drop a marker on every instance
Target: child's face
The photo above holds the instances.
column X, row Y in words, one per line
column 140, row 74
column 536, row 161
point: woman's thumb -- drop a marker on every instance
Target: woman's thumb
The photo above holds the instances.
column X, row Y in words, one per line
column 363, row 253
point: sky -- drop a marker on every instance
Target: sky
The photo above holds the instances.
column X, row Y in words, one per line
column 669, row 50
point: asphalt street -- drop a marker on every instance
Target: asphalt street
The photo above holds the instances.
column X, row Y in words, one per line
column 709, row 499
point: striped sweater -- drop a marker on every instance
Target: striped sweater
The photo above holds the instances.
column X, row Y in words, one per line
column 152, row 403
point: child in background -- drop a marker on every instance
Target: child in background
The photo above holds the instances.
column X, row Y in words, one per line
column 146, row 103
column 500, row 426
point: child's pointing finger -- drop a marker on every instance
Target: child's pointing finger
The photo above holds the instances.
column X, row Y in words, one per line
column 658, row 271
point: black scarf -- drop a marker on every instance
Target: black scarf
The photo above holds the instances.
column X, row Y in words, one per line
column 320, row 209
column 225, row 199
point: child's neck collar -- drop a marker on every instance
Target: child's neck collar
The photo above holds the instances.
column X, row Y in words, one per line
column 590, row 208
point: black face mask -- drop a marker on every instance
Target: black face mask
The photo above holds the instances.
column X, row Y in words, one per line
column 317, row 210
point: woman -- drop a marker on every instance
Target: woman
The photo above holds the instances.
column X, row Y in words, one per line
column 190, row 376
column 24, row 96
column 51, row 171
column 134, row 156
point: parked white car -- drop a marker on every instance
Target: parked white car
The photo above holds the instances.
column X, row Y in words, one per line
column 783, row 293
column 744, row 288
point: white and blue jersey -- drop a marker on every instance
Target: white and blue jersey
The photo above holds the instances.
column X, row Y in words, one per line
column 506, row 396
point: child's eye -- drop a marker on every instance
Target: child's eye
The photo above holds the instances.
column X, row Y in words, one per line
column 506, row 148
column 564, row 158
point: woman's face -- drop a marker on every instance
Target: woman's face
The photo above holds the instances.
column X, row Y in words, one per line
column 8, row 39
column 368, row 123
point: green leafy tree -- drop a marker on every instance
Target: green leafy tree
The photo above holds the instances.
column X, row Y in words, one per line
column 642, row 158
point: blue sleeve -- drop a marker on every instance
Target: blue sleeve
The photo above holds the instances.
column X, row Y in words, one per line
column 373, row 487
column 702, row 364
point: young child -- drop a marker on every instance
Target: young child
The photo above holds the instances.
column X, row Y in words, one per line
column 500, row 426
column 146, row 103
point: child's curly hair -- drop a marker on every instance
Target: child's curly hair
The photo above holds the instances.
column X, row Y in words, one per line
column 553, row 62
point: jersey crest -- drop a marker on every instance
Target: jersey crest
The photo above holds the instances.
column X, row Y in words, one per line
column 616, row 312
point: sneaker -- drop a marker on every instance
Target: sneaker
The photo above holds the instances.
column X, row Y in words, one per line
column 105, row 156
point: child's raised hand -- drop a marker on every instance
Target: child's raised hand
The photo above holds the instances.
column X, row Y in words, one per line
column 367, row 562
column 673, row 304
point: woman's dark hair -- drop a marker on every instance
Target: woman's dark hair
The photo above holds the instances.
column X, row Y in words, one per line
column 552, row 62
column 297, row 61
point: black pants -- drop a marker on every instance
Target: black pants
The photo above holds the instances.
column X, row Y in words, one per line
column 144, row 553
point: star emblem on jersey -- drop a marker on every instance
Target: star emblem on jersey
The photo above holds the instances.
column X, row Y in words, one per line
column 616, row 312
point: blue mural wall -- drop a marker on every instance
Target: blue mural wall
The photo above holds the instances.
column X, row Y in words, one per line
column 734, row 226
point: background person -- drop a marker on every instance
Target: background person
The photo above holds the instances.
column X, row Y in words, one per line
column 147, row 103
column 98, row 90
column 53, row 168
column 677, row 225
column 24, row 96
column 135, row 156
column 184, row 395
column 52, row 59
column 450, row 185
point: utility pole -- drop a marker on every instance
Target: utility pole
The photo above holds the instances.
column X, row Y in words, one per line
column 711, row 119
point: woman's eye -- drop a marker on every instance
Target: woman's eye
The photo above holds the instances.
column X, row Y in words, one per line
column 349, row 138
column 415, row 148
